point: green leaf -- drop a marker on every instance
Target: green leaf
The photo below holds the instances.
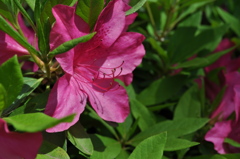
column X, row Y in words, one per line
column 200, row 62
column 232, row 142
column 80, row 139
column 151, row 147
column 94, row 115
column 193, row 20
column 5, row 26
column 35, row 122
column 71, row 44
column 51, row 151
column 123, row 154
column 174, row 144
column 30, row 84
column 31, row 3
column 229, row 19
column 5, row 12
column 146, row 118
column 207, row 39
column 89, row 10
column 125, row 127
column 24, row 13
column 174, row 128
column 189, row 105
column 136, row 7
column 11, row 79
column 3, row 98
column 159, row 90
column 104, row 147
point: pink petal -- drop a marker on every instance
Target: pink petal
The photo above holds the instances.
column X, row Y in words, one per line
column 128, row 49
column 66, row 98
column 28, row 32
column 9, row 47
column 127, row 79
column 110, row 24
column 16, row 145
column 227, row 105
column 126, row 53
column 237, row 100
column 217, row 135
column 111, row 105
column 68, row 26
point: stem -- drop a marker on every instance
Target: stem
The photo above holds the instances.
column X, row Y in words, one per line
column 152, row 20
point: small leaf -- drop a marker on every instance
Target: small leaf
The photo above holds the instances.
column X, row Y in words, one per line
column 11, row 79
column 71, row 44
column 30, row 84
column 229, row 19
column 31, row 3
column 189, row 105
column 3, row 98
column 200, row 62
column 35, row 122
column 80, row 139
column 89, row 10
column 232, row 142
column 51, row 151
column 104, row 147
column 174, row 144
column 146, row 118
column 151, row 147
column 174, row 128
column 154, row 93
column 136, row 7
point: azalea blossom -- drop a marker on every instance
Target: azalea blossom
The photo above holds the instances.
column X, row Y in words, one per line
column 222, row 130
column 15, row 145
column 92, row 67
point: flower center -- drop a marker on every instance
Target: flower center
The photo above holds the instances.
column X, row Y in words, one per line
column 101, row 78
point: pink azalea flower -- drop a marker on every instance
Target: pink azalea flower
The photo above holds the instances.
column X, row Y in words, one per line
column 220, row 131
column 90, row 68
column 9, row 47
column 16, row 145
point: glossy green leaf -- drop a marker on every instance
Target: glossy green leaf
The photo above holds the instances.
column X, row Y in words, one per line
column 231, row 142
column 189, row 104
column 174, row 144
column 71, row 44
column 104, row 147
column 193, row 20
column 5, row 12
column 80, row 139
column 207, row 39
column 94, row 115
column 29, row 85
column 136, row 7
column 174, row 128
column 3, row 98
column 151, row 147
column 230, row 19
column 35, row 122
column 31, row 3
column 11, row 79
column 122, row 154
column 51, row 151
column 89, row 10
column 140, row 111
column 24, row 13
column 200, row 62
column 5, row 26
column 159, row 90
